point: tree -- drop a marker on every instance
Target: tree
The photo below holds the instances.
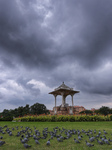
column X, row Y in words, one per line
column 21, row 111
column 38, row 109
column 5, row 112
column 111, row 111
column 96, row 111
column 26, row 109
column 104, row 110
column 86, row 112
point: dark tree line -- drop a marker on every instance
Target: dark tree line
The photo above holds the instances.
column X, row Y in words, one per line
column 21, row 111
column 103, row 111
column 86, row 112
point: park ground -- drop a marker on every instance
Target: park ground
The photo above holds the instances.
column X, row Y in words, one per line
column 13, row 142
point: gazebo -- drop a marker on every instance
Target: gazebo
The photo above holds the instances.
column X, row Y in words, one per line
column 64, row 91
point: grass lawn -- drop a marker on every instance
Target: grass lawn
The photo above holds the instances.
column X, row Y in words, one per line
column 13, row 142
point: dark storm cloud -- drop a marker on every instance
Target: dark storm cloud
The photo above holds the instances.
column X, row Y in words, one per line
column 22, row 34
column 97, row 33
column 86, row 27
column 86, row 43
column 89, row 38
column 95, row 85
column 49, row 42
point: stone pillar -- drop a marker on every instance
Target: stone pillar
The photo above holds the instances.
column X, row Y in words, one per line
column 55, row 111
column 72, row 102
column 62, row 99
column 55, row 99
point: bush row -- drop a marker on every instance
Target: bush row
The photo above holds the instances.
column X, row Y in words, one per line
column 6, row 119
column 63, row 118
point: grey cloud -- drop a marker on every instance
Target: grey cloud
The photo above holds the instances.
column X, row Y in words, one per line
column 85, row 40
column 96, row 34
column 23, row 36
column 88, row 40
column 8, row 62
column 100, row 83
column 57, row 41
column 28, row 87
column 17, row 102
column 1, row 96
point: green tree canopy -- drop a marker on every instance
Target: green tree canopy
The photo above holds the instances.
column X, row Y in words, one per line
column 86, row 112
column 104, row 110
column 38, row 109
column 21, row 111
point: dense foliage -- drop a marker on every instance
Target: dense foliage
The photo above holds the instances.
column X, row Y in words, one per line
column 8, row 115
column 34, row 113
column 103, row 111
column 63, row 118
column 86, row 112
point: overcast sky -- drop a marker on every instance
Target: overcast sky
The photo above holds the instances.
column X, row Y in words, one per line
column 46, row 42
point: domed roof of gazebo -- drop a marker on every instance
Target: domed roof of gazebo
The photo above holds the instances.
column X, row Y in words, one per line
column 63, row 88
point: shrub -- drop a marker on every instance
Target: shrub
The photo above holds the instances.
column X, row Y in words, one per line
column 6, row 119
column 72, row 118
column 53, row 118
column 63, row 118
column 111, row 117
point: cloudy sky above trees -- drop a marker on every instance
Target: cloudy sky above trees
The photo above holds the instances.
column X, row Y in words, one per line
column 46, row 42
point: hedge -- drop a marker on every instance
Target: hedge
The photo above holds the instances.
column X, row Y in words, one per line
column 63, row 118
column 6, row 119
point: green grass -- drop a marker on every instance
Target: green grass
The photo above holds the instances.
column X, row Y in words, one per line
column 13, row 142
